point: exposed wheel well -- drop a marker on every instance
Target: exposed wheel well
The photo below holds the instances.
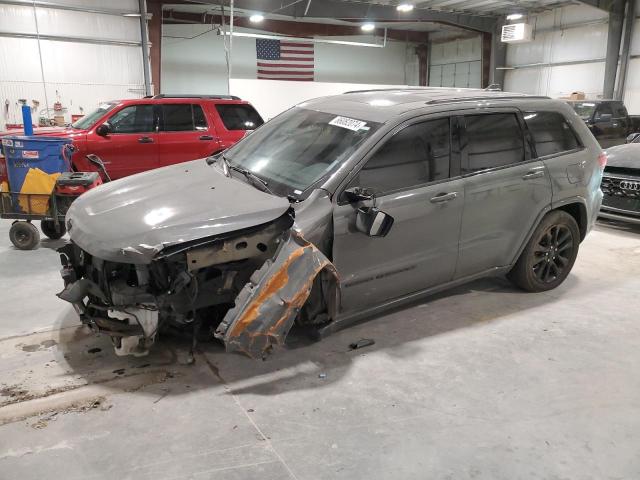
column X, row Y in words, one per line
column 579, row 213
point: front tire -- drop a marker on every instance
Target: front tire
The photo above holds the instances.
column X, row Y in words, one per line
column 549, row 255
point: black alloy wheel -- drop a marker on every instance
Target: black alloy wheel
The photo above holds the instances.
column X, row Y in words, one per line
column 553, row 252
column 549, row 255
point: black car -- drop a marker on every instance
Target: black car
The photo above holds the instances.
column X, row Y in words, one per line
column 621, row 182
column 608, row 120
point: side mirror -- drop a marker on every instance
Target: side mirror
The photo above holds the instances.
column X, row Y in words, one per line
column 373, row 222
column 604, row 118
column 104, row 129
column 358, row 194
column 633, row 138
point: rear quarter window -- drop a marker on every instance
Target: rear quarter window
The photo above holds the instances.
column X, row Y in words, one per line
column 551, row 133
column 239, row 117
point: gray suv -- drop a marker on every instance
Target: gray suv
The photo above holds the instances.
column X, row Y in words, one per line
column 335, row 210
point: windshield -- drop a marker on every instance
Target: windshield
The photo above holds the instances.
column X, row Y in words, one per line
column 299, row 147
column 90, row 119
column 584, row 109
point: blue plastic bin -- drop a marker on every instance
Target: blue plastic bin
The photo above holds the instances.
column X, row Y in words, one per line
column 49, row 154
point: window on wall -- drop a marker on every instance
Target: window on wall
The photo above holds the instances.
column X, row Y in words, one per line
column 551, row 133
column 493, row 140
column 416, row 155
column 133, row 119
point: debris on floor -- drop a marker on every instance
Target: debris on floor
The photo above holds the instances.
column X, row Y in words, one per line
column 363, row 342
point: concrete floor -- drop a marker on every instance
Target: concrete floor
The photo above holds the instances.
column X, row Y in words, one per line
column 483, row 382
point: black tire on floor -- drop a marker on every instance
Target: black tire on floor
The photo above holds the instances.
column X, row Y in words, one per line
column 24, row 235
column 48, row 227
column 549, row 255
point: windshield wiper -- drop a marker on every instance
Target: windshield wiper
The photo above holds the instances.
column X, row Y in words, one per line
column 250, row 175
column 227, row 167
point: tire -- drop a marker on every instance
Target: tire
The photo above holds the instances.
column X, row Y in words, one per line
column 549, row 255
column 24, row 235
column 48, row 227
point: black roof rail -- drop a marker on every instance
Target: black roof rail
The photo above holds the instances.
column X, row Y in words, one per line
column 213, row 97
column 486, row 97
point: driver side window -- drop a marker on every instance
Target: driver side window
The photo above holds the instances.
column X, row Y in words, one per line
column 416, row 155
column 133, row 119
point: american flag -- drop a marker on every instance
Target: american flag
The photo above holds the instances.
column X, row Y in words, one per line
column 284, row 60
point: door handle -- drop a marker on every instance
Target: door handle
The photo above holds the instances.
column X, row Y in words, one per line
column 206, row 137
column 145, row 140
column 533, row 174
column 444, row 197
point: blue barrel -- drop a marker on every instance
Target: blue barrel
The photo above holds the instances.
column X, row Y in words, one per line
column 49, row 154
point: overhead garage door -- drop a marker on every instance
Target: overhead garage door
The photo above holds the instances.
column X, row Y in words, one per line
column 456, row 64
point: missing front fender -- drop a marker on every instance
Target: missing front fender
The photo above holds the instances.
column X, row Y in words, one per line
column 268, row 304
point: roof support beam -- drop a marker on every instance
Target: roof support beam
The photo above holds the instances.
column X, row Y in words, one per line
column 614, row 38
column 498, row 56
column 629, row 23
column 363, row 11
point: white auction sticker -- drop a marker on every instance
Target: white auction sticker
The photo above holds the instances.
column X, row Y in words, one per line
column 349, row 123
column 7, row 143
column 30, row 154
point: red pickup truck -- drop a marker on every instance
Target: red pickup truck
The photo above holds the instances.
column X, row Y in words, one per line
column 133, row 136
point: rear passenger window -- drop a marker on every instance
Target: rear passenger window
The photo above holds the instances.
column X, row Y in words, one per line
column 414, row 156
column 493, row 140
column 551, row 133
column 199, row 119
column 177, row 118
column 619, row 110
column 239, row 116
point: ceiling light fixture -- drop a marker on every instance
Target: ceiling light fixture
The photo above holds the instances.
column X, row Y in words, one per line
column 404, row 7
column 368, row 27
column 515, row 16
column 256, row 18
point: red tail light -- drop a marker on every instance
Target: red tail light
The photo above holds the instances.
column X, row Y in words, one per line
column 602, row 160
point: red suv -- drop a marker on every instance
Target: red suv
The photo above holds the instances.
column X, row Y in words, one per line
column 133, row 136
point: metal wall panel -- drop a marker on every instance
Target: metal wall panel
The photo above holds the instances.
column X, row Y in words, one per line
column 564, row 35
column 79, row 75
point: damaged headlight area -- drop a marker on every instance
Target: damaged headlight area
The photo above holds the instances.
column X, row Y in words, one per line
column 246, row 288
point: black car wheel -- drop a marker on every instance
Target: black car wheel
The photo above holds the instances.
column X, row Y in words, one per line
column 48, row 227
column 549, row 255
column 24, row 235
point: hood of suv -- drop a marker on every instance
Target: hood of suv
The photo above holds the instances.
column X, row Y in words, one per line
column 132, row 219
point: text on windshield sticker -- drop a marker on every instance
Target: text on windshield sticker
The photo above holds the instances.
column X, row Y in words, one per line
column 348, row 123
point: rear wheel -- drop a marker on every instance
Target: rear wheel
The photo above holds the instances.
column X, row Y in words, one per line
column 24, row 235
column 48, row 227
column 549, row 255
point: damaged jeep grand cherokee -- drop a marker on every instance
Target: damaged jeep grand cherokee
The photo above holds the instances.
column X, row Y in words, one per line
column 333, row 211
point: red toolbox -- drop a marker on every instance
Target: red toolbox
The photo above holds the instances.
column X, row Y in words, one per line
column 76, row 183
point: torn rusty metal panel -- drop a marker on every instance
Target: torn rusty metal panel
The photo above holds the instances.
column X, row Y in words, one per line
column 238, row 248
column 268, row 304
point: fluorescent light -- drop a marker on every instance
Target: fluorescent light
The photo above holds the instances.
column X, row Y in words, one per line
column 368, row 27
column 256, row 18
column 404, row 7
column 515, row 16
column 131, row 15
